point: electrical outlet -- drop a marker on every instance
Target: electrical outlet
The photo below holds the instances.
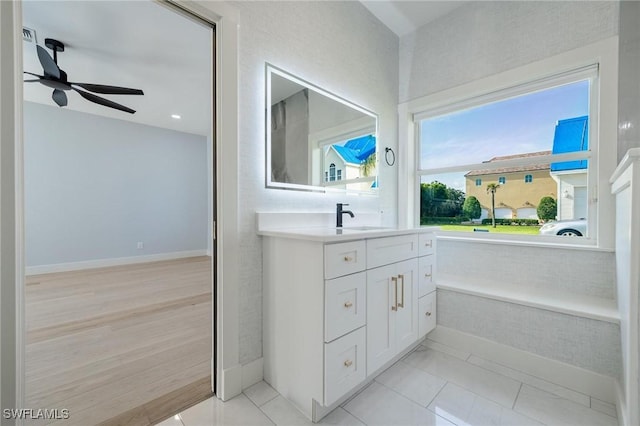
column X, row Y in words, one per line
column 140, row 245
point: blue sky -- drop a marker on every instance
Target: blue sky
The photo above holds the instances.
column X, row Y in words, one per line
column 513, row 126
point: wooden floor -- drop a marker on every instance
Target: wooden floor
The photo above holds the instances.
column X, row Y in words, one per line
column 123, row 345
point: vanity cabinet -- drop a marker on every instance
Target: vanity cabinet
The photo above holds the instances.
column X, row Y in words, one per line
column 335, row 313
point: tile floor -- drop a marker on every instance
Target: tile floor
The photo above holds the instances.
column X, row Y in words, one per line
column 433, row 385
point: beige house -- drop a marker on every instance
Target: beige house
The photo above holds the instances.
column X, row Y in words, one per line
column 521, row 188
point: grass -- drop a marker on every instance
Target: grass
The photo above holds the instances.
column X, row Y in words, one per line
column 499, row 229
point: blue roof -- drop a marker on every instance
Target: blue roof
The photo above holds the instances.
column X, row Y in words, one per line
column 357, row 150
column 571, row 135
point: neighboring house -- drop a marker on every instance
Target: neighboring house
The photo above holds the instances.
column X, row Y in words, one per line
column 521, row 188
column 571, row 135
column 343, row 162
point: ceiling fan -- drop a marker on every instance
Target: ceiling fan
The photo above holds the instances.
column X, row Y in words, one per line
column 55, row 78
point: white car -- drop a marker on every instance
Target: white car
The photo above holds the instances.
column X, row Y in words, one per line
column 567, row 228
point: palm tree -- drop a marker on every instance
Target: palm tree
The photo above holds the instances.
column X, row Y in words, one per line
column 368, row 165
column 492, row 188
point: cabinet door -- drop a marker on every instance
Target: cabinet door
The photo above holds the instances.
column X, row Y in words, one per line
column 381, row 301
column 407, row 313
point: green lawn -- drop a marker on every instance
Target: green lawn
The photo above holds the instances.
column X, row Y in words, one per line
column 499, row 229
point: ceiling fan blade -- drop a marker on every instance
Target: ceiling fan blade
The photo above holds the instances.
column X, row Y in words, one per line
column 109, row 90
column 48, row 64
column 35, row 75
column 31, row 81
column 102, row 101
column 59, row 97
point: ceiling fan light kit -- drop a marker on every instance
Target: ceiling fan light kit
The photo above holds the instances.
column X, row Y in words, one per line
column 56, row 78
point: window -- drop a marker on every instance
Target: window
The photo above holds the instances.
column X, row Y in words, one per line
column 468, row 150
column 339, row 174
column 326, row 176
column 332, row 172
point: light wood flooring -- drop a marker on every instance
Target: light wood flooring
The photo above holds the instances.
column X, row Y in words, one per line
column 126, row 345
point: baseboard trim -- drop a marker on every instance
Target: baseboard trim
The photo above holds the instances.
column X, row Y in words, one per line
column 116, row 261
column 231, row 382
column 576, row 378
column 252, row 373
column 621, row 405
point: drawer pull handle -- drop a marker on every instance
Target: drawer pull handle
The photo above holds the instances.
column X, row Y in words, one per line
column 348, row 305
column 348, row 258
column 427, row 275
column 427, row 244
column 401, row 304
column 394, row 280
column 428, row 314
column 348, row 363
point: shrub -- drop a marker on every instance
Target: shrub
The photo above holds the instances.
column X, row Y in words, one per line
column 457, row 220
column 524, row 222
column 547, row 208
column 471, row 207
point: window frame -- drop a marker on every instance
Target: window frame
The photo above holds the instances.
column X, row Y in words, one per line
column 602, row 55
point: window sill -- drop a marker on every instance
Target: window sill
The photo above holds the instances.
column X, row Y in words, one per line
column 577, row 243
column 566, row 303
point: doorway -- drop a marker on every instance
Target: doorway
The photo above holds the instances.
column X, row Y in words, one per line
column 119, row 219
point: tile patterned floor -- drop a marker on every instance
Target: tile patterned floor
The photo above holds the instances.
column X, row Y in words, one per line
column 433, row 385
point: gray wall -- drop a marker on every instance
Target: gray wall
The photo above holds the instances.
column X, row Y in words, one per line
column 628, row 81
column 95, row 186
column 484, row 38
column 340, row 47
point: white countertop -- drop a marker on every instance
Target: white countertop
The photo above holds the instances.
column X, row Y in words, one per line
column 332, row 235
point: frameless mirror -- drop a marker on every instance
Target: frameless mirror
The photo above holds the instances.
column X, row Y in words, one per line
column 317, row 141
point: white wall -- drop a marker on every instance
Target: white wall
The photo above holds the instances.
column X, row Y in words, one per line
column 340, row 47
column 629, row 100
column 485, row 38
column 480, row 40
column 95, row 186
column 626, row 186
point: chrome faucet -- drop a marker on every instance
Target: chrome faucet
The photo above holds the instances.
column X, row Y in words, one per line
column 340, row 212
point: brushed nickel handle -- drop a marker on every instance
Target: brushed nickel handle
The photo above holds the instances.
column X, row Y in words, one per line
column 348, row 363
column 427, row 275
column 428, row 243
column 401, row 304
column 428, row 314
column 348, row 305
column 348, row 258
column 394, row 280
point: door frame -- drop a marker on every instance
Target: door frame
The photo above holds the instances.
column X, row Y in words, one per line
column 226, row 369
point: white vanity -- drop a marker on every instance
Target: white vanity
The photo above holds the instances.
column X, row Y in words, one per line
column 339, row 306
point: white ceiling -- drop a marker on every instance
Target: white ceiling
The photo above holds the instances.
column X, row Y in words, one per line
column 137, row 44
column 404, row 17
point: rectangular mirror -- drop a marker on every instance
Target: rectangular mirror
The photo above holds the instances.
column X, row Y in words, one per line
column 317, row 141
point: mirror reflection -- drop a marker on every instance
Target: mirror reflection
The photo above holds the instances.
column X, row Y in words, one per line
column 316, row 140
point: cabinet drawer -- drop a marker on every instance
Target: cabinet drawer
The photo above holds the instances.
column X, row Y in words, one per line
column 427, row 244
column 344, row 305
column 426, row 314
column 344, row 258
column 384, row 251
column 425, row 275
column 344, row 365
